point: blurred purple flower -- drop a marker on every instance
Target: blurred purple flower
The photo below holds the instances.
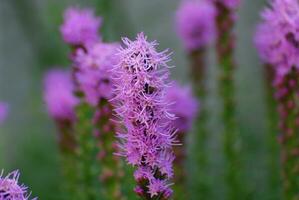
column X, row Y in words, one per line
column 94, row 66
column 184, row 106
column 277, row 37
column 80, row 26
column 10, row 189
column 195, row 23
column 3, row 111
column 141, row 79
column 58, row 94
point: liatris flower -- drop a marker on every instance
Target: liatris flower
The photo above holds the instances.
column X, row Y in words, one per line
column 195, row 23
column 93, row 71
column 185, row 107
column 10, row 189
column 277, row 42
column 80, row 27
column 93, row 76
column 266, row 40
column 276, row 38
column 3, row 111
column 225, row 45
column 59, row 96
column 141, row 79
column 61, row 102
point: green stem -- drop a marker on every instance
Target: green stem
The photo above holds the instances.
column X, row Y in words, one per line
column 86, row 151
column 179, row 168
column 225, row 52
column 289, row 112
column 272, row 133
column 111, row 171
column 198, row 72
column 67, row 149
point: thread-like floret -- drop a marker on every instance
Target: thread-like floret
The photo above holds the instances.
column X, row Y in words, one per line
column 10, row 189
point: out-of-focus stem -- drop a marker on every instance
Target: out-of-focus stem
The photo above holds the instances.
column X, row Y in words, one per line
column 225, row 52
column 272, row 134
column 86, row 152
column 67, row 147
column 111, row 171
column 179, row 168
column 288, row 106
column 198, row 72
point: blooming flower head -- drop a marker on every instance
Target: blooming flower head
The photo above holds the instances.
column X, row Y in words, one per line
column 184, row 106
column 58, row 95
column 80, row 26
column 195, row 23
column 141, row 77
column 3, row 111
column 277, row 37
column 94, row 66
column 10, row 189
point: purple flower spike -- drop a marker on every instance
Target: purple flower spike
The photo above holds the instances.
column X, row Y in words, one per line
column 59, row 96
column 80, row 26
column 94, row 66
column 195, row 23
column 3, row 111
column 277, row 37
column 141, row 80
column 10, row 189
column 184, row 106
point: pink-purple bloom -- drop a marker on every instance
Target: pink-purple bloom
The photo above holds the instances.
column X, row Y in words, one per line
column 141, row 78
column 195, row 23
column 10, row 189
column 277, row 37
column 93, row 70
column 3, row 111
column 184, row 106
column 80, row 26
column 58, row 95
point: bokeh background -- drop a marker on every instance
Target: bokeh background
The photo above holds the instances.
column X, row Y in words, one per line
column 30, row 44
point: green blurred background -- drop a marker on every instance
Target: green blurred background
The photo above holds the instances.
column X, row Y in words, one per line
column 30, row 44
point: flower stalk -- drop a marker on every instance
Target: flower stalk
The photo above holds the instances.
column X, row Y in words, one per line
column 196, row 28
column 225, row 44
column 60, row 101
column 272, row 131
column 288, row 107
column 198, row 72
column 111, row 170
